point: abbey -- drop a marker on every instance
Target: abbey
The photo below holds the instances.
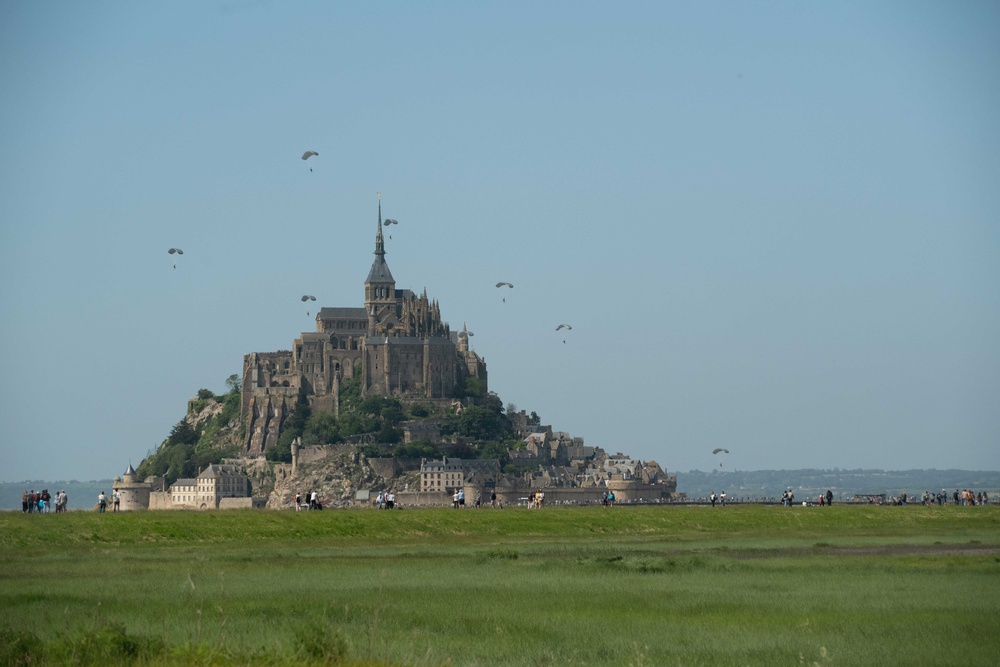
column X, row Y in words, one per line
column 396, row 345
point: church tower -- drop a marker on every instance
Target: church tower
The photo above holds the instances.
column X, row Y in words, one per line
column 380, row 288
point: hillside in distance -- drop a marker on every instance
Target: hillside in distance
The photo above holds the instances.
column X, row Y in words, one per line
column 844, row 483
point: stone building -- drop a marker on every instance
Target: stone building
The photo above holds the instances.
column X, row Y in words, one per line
column 450, row 474
column 395, row 345
column 214, row 488
column 135, row 494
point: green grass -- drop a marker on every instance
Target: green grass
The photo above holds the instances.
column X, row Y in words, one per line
column 748, row 585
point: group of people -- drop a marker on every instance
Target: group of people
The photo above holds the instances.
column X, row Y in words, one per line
column 116, row 501
column 41, row 501
column 608, row 498
column 717, row 498
column 310, row 501
column 969, row 497
column 386, row 500
column 965, row 497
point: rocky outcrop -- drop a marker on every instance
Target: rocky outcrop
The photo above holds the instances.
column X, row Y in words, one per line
column 335, row 472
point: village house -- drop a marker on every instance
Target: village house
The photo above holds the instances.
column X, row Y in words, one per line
column 450, row 474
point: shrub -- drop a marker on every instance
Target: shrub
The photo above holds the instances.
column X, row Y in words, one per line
column 20, row 647
column 106, row 644
column 320, row 642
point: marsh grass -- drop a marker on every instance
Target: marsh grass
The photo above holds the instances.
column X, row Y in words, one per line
column 633, row 586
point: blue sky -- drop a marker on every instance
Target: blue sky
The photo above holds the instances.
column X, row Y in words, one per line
column 774, row 227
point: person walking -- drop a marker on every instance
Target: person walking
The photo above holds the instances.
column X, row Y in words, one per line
column 829, row 497
column 102, row 502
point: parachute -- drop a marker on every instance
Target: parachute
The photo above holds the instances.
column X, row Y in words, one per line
column 501, row 284
column 308, row 297
column 173, row 251
column 720, row 449
column 309, row 154
column 389, row 221
column 564, row 326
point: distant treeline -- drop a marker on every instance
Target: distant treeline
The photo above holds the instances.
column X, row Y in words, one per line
column 843, row 483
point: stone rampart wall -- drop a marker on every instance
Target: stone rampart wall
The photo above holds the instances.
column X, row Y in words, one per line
column 160, row 500
column 423, row 499
column 242, row 503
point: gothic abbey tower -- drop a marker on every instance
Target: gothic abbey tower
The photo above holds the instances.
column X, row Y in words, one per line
column 397, row 345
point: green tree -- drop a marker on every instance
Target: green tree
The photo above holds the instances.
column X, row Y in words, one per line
column 462, row 450
column 183, row 433
column 417, row 449
column 491, row 449
column 478, row 423
column 233, row 384
column 388, row 434
column 322, row 429
column 473, row 387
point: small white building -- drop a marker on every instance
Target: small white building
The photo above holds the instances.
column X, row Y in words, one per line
column 208, row 491
column 450, row 474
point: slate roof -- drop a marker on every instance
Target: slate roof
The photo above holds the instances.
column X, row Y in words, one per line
column 343, row 313
column 219, row 470
column 379, row 272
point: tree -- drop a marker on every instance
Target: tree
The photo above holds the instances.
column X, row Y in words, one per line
column 417, row 449
column 479, row 423
column 183, row 433
column 233, row 384
column 473, row 387
column 388, row 434
column 491, row 449
column 322, row 428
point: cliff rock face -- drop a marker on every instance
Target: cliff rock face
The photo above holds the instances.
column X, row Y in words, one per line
column 335, row 472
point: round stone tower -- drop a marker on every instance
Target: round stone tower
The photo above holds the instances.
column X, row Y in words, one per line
column 135, row 494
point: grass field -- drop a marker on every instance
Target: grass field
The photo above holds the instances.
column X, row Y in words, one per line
column 690, row 585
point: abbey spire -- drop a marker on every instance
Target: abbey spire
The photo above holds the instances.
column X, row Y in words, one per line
column 380, row 287
column 380, row 270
